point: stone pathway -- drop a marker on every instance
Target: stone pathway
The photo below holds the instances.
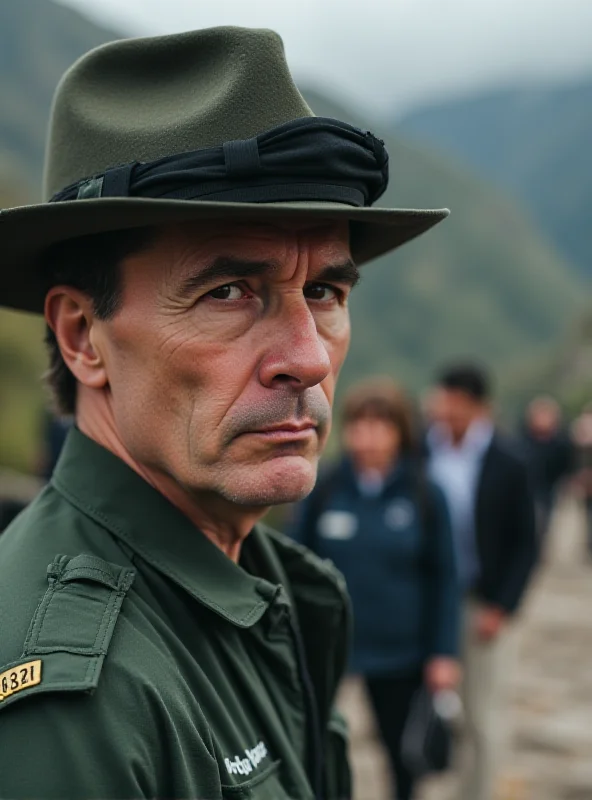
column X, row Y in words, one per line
column 550, row 706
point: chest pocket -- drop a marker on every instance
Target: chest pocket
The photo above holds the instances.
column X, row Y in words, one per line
column 71, row 629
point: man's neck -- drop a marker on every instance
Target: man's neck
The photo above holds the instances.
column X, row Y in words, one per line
column 226, row 524
column 458, row 439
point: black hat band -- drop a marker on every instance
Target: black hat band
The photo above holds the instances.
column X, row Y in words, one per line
column 312, row 158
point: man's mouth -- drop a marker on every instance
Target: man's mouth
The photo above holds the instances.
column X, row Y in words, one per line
column 285, row 432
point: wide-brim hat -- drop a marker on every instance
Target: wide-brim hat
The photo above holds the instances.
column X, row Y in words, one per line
column 195, row 126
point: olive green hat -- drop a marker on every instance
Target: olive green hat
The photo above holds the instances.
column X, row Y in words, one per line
column 200, row 125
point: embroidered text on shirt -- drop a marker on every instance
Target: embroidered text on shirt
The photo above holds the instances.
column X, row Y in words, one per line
column 244, row 766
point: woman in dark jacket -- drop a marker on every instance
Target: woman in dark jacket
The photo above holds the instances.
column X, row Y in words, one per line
column 386, row 527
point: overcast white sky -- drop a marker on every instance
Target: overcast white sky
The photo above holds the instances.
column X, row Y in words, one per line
column 391, row 54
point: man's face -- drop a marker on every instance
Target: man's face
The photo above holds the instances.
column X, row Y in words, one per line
column 543, row 418
column 223, row 356
column 457, row 410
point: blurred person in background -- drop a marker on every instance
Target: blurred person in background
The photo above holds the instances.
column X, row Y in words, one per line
column 22, row 489
column 386, row 527
column 581, row 433
column 491, row 502
column 10, row 508
column 55, row 432
column 548, row 453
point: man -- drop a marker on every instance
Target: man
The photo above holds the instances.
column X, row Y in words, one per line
column 156, row 642
column 492, row 510
column 548, row 454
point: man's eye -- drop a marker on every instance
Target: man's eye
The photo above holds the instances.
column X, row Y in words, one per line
column 320, row 291
column 230, row 291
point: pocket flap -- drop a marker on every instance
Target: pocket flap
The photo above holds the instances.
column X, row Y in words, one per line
column 71, row 629
column 80, row 607
column 91, row 568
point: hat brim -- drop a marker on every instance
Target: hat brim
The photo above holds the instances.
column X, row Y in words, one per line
column 27, row 231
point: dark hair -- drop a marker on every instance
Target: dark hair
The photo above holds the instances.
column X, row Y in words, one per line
column 381, row 398
column 90, row 264
column 468, row 378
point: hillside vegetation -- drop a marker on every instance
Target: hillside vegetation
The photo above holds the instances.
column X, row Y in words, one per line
column 39, row 40
column 533, row 142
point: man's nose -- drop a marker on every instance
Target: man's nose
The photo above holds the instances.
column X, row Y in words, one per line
column 295, row 355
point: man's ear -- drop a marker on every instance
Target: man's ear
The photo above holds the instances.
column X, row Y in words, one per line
column 69, row 313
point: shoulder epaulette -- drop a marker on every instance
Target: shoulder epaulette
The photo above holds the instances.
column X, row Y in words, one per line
column 71, row 629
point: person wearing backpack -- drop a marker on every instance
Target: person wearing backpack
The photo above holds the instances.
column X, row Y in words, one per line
column 386, row 527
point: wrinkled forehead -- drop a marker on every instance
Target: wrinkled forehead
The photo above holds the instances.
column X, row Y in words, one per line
column 279, row 242
column 287, row 245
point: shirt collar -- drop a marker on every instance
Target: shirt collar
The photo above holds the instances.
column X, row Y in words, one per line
column 476, row 440
column 105, row 489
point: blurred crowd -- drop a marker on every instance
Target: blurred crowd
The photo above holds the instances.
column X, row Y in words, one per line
column 437, row 519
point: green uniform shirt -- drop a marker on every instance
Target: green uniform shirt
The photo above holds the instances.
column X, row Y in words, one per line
column 137, row 660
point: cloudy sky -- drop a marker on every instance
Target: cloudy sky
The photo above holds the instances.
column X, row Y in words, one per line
column 391, row 54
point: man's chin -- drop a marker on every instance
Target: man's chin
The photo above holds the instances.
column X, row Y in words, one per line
column 280, row 480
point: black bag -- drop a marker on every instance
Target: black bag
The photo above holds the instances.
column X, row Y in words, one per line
column 427, row 738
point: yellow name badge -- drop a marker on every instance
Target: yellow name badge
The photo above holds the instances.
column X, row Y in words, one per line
column 18, row 678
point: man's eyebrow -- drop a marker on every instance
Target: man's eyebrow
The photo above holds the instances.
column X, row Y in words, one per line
column 225, row 268
column 346, row 273
column 229, row 268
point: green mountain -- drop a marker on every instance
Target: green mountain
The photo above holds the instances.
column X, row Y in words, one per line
column 39, row 40
column 566, row 371
column 535, row 143
column 485, row 283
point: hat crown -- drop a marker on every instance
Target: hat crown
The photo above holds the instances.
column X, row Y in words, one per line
column 143, row 99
